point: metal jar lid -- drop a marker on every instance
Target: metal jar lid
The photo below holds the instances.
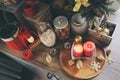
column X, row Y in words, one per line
column 60, row 22
column 77, row 19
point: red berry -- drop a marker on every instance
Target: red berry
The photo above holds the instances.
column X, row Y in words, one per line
column 27, row 54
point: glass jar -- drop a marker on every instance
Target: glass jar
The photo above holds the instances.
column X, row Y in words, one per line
column 78, row 24
column 62, row 28
column 46, row 34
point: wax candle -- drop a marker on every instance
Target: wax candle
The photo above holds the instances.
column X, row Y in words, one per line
column 29, row 8
column 77, row 50
column 89, row 48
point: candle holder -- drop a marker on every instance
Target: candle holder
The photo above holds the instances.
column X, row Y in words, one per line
column 83, row 64
column 83, row 56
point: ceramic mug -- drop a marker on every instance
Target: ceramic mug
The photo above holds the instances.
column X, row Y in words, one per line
column 16, row 41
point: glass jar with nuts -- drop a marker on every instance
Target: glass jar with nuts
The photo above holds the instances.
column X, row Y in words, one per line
column 62, row 28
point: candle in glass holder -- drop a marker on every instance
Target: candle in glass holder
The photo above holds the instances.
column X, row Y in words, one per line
column 77, row 50
column 29, row 8
column 89, row 48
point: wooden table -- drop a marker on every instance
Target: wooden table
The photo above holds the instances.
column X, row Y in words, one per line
column 39, row 64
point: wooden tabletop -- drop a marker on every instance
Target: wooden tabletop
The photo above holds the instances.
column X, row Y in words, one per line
column 110, row 71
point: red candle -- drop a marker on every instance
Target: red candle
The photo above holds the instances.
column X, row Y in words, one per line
column 77, row 50
column 29, row 8
column 89, row 48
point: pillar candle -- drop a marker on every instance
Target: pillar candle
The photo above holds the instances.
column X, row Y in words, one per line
column 77, row 50
column 89, row 48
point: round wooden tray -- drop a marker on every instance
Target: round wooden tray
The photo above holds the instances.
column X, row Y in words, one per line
column 85, row 72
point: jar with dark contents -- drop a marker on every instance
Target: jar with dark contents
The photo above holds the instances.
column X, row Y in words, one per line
column 62, row 27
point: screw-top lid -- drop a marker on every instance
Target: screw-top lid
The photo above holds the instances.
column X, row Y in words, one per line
column 60, row 22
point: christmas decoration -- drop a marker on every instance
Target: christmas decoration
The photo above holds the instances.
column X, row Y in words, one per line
column 95, row 65
column 92, row 8
column 53, row 51
column 100, row 57
column 67, row 45
column 48, row 58
column 108, row 52
column 110, row 59
column 79, row 64
column 102, row 31
column 71, row 62
column 79, row 3
column 78, row 39
column 101, row 25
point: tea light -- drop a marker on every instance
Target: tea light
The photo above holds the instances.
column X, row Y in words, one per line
column 89, row 48
column 77, row 50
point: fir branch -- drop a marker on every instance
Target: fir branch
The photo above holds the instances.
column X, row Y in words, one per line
column 96, row 7
column 5, row 17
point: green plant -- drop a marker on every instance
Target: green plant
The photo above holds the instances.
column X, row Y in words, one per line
column 95, row 8
column 7, row 26
column 6, row 30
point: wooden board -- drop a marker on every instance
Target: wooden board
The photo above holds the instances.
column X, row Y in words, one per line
column 85, row 72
